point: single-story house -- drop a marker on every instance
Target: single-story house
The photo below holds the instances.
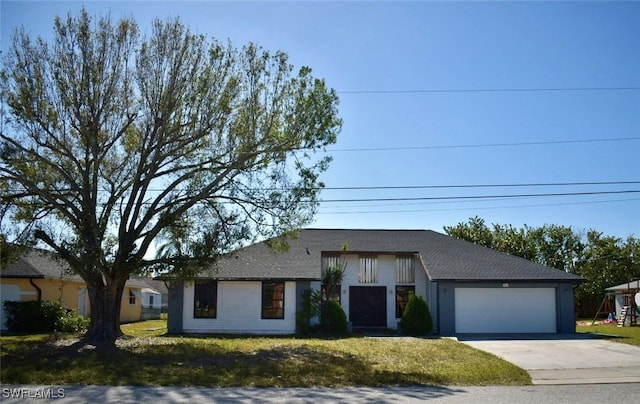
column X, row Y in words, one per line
column 625, row 294
column 152, row 300
column 40, row 275
column 469, row 288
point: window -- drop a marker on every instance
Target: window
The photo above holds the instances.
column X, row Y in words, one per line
column 273, row 300
column 132, row 297
column 150, row 300
column 368, row 269
column 405, row 272
column 205, row 299
column 332, row 261
column 403, row 294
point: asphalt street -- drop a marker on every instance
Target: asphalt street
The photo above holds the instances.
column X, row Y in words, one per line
column 614, row 393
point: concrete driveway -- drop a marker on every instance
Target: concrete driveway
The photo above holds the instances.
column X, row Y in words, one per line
column 569, row 359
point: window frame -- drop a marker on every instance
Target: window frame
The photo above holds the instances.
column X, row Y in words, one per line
column 402, row 303
column 271, row 297
column 132, row 298
column 199, row 312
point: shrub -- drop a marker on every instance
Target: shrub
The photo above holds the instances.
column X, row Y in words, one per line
column 333, row 319
column 310, row 308
column 44, row 316
column 416, row 319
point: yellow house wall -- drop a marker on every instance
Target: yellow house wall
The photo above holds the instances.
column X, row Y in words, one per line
column 130, row 312
column 64, row 291
column 27, row 291
column 68, row 294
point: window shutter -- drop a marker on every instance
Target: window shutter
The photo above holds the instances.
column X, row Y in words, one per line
column 368, row 269
column 329, row 261
column 405, row 272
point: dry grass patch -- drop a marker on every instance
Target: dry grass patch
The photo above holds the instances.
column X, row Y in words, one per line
column 149, row 359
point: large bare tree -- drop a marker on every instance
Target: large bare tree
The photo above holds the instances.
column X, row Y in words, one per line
column 114, row 142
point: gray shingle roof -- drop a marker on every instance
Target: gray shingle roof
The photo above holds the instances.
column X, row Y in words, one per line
column 45, row 264
column 38, row 264
column 445, row 257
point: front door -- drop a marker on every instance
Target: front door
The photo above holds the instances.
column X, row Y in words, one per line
column 368, row 306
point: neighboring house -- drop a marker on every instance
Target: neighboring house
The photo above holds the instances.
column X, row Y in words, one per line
column 40, row 275
column 157, row 297
column 469, row 288
column 626, row 294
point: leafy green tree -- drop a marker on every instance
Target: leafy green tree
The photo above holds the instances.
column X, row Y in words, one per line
column 115, row 142
column 475, row 231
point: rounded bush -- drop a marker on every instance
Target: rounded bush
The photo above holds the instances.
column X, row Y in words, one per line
column 333, row 319
column 416, row 319
column 43, row 316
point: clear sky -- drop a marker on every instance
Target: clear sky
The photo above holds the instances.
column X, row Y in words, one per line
column 448, row 94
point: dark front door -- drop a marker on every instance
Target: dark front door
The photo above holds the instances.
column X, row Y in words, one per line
column 368, row 306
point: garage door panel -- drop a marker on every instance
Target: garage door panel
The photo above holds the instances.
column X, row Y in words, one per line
column 505, row 310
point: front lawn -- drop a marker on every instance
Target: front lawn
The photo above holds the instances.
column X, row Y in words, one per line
column 150, row 359
column 627, row 335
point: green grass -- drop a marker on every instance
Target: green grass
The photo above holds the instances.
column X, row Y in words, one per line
column 627, row 335
column 150, row 359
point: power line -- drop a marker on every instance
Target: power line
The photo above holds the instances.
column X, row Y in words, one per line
column 548, row 184
column 433, row 198
column 468, row 146
column 491, row 90
column 395, row 211
column 459, row 186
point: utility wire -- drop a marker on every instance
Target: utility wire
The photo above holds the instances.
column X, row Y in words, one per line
column 433, row 198
column 460, row 186
column 395, row 211
column 469, row 146
column 548, row 184
column 491, row 90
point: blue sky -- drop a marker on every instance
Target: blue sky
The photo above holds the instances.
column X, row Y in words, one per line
column 448, row 94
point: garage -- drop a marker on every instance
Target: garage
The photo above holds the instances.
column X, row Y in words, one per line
column 505, row 310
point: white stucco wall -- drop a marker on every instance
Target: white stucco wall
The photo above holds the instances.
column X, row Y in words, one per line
column 240, row 310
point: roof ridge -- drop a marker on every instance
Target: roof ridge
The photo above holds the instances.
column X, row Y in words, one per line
column 361, row 229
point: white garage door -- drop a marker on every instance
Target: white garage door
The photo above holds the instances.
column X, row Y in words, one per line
column 505, row 310
column 9, row 293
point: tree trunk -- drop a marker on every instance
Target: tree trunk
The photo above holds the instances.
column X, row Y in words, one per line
column 105, row 301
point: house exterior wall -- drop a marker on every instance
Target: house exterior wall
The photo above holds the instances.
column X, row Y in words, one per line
column 386, row 267
column 146, row 300
column 130, row 312
column 565, row 317
column 27, row 291
column 151, row 305
column 68, row 293
column 239, row 310
column 60, row 290
column 175, row 305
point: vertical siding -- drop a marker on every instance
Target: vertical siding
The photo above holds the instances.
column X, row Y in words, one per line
column 240, row 310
